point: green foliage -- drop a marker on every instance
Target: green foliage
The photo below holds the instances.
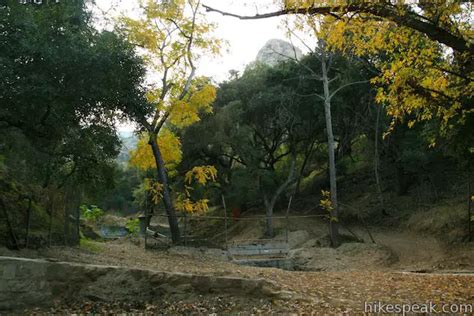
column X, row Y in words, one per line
column 268, row 115
column 133, row 226
column 62, row 88
column 119, row 198
column 90, row 245
column 91, row 213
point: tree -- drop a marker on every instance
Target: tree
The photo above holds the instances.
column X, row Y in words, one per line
column 437, row 21
column 62, row 86
column 421, row 50
column 326, row 60
column 259, row 136
column 172, row 35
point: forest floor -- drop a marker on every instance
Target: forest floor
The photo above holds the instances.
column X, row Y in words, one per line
column 342, row 289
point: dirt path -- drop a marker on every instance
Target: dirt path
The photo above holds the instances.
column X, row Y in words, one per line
column 417, row 252
column 413, row 252
column 323, row 292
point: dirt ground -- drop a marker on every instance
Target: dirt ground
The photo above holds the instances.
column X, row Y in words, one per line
column 328, row 281
column 327, row 291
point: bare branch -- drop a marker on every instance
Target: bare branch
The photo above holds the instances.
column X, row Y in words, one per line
column 403, row 18
column 344, row 86
column 187, row 86
column 311, row 95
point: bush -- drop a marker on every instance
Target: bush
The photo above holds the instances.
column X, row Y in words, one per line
column 91, row 213
column 133, row 226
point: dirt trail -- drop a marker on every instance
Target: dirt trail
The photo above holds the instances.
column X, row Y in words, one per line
column 348, row 276
column 414, row 252
column 396, row 249
column 419, row 252
column 308, row 292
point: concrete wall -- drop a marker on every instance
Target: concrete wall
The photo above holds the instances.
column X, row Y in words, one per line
column 36, row 282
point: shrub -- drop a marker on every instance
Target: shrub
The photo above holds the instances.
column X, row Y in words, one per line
column 133, row 226
column 91, row 213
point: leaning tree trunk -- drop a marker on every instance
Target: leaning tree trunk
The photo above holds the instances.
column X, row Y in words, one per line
column 167, row 201
column 377, row 161
column 270, row 204
column 333, row 224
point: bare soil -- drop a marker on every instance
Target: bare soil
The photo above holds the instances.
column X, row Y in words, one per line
column 342, row 288
column 330, row 280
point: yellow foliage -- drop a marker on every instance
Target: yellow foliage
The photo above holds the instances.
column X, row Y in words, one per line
column 172, row 37
column 185, row 204
column 417, row 75
column 155, row 188
column 184, row 113
column 202, row 174
column 202, row 99
column 170, row 147
column 412, row 66
column 325, row 201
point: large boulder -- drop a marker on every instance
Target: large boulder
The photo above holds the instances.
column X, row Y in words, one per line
column 276, row 50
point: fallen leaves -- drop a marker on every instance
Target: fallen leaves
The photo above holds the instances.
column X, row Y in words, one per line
column 309, row 292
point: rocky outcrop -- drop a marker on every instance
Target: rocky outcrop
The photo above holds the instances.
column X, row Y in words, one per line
column 27, row 283
column 276, row 50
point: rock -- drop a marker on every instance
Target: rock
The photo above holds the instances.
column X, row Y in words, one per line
column 37, row 282
column 276, row 50
column 349, row 256
column 297, row 238
column 213, row 253
column 89, row 231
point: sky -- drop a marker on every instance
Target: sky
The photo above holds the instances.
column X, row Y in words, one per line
column 244, row 37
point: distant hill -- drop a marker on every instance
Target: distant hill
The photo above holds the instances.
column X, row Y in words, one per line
column 276, row 50
column 129, row 142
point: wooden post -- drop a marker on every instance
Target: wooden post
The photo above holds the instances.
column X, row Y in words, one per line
column 51, row 214
column 469, row 208
column 184, row 232
column 146, row 221
column 287, row 218
column 225, row 220
column 28, row 223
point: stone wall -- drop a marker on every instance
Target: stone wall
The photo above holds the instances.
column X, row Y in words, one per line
column 36, row 282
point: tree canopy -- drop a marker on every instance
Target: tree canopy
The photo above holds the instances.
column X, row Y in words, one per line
column 63, row 87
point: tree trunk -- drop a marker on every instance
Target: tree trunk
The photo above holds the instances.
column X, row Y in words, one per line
column 269, row 216
column 270, row 204
column 77, row 218
column 51, row 214
column 163, row 179
column 66, row 232
column 376, row 161
column 11, row 233
column 303, row 167
column 333, row 225
column 28, row 223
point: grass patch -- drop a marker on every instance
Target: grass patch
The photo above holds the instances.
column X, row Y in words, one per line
column 90, row 245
